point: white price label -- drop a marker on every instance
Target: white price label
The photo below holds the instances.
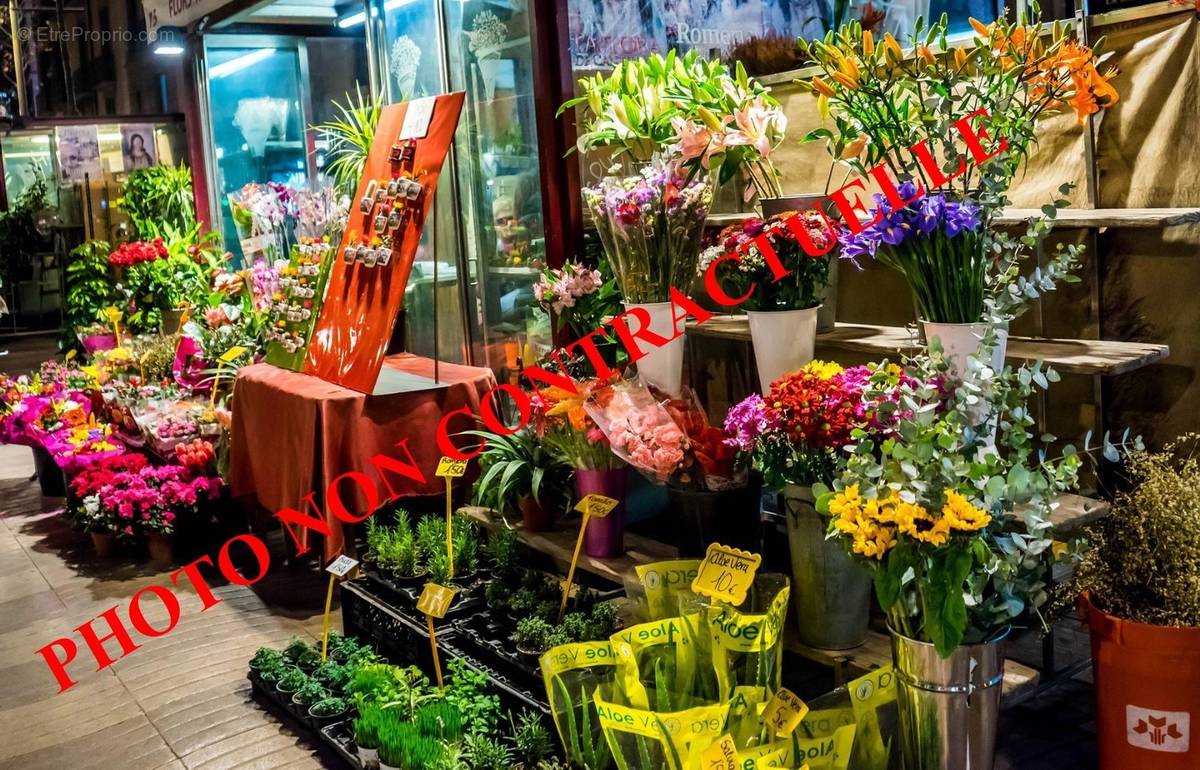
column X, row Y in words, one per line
column 417, row 118
column 341, row 565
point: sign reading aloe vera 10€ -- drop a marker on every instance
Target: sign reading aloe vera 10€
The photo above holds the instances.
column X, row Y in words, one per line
column 726, row 573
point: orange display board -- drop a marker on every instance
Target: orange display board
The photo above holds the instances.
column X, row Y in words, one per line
column 375, row 257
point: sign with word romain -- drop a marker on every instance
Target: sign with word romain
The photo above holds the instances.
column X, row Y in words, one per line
column 450, row 468
column 726, row 573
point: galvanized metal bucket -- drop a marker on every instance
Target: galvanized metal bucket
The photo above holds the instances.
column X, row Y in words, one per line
column 948, row 707
column 832, row 593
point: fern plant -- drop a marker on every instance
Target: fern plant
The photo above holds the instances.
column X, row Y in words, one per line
column 349, row 137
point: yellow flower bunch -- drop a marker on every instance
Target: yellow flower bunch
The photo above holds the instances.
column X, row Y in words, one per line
column 875, row 524
column 823, row 369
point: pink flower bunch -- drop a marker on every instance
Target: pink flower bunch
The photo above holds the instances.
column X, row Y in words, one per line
column 154, row 497
column 264, row 282
column 639, row 429
column 559, row 289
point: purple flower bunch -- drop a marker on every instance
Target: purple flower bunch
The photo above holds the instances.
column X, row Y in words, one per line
column 746, row 421
column 650, row 225
column 935, row 213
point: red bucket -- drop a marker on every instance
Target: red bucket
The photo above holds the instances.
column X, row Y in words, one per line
column 1147, row 693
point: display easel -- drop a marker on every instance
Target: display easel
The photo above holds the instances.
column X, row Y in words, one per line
column 374, row 260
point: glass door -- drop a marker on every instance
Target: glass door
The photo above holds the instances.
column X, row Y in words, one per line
column 490, row 57
column 258, row 115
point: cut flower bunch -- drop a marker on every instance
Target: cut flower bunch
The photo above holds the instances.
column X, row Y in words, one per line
column 715, row 121
column 755, row 277
column 929, row 506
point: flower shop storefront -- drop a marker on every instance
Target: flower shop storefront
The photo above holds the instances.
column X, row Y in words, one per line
column 820, row 451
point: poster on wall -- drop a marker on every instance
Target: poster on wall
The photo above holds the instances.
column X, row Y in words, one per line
column 603, row 32
column 138, row 149
column 372, row 264
column 78, row 152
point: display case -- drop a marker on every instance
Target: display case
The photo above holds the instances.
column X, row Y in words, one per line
column 489, row 212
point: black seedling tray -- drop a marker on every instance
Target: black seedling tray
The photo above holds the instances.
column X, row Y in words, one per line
column 398, row 637
column 403, row 598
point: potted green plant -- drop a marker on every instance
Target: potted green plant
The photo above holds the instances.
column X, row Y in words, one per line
column 366, row 728
column 328, row 710
column 487, row 752
column 270, row 675
column 309, row 693
column 531, row 740
column 928, row 506
column 1139, row 577
column 266, row 657
column 518, row 473
column 534, row 636
column 396, row 551
column 332, row 675
column 291, row 681
column 431, row 541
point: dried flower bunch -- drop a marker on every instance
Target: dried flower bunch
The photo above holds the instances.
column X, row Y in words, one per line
column 1144, row 561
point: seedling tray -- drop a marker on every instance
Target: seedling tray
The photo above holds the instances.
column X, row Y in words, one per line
column 403, row 598
column 397, row 636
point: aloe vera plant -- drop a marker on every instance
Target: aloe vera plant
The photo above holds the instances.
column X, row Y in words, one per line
column 585, row 746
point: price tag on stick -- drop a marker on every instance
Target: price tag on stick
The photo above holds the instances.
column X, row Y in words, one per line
column 595, row 505
column 449, row 468
column 726, row 573
column 338, row 568
column 435, row 602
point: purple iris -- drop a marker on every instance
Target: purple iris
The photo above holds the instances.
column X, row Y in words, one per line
column 933, row 214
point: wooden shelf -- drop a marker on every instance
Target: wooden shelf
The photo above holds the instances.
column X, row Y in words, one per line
column 1092, row 357
column 1099, row 218
column 1020, row 681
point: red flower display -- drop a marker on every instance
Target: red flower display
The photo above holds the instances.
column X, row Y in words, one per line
column 137, row 252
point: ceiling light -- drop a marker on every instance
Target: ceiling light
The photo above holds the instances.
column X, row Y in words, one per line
column 239, row 63
column 168, row 41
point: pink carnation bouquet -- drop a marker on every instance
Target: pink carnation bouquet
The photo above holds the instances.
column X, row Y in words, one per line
column 639, row 429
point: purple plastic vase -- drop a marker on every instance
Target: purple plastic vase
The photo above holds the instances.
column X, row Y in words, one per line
column 605, row 538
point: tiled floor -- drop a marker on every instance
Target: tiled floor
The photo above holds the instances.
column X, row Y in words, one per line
column 180, row 701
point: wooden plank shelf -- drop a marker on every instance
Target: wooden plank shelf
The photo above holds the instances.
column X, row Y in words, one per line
column 1020, row 681
column 1097, row 218
column 1090, row 357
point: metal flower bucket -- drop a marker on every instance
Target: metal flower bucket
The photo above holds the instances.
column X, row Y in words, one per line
column 948, row 707
column 832, row 593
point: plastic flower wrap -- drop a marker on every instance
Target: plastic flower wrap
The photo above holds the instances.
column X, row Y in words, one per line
column 77, row 447
column 639, row 429
column 650, row 225
column 751, row 274
column 562, row 423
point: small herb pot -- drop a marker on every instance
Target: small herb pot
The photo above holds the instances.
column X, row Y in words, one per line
column 529, row 656
column 368, row 758
column 410, row 581
column 325, row 721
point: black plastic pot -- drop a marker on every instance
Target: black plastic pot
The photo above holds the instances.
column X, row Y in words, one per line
column 50, row 476
column 730, row 517
column 320, row 722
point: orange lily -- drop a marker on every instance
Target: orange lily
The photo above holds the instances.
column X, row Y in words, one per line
column 821, row 87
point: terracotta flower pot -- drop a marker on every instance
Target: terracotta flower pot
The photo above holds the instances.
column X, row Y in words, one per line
column 161, row 547
column 535, row 517
column 1147, row 692
column 104, row 543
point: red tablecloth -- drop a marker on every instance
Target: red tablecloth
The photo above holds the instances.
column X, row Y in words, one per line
column 293, row 433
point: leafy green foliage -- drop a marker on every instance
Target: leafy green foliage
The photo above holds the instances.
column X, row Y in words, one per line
column 20, row 239
column 487, row 752
column 349, row 137
column 531, row 738
column 158, row 198
column 584, row 741
column 328, row 707
column 467, row 690
column 89, row 290
column 517, row 465
column 310, row 692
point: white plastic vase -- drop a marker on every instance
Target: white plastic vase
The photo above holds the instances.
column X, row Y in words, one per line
column 662, row 366
column 959, row 341
column 783, row 341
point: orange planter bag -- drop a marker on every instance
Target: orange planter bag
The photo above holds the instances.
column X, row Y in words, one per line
column 1147, row 693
